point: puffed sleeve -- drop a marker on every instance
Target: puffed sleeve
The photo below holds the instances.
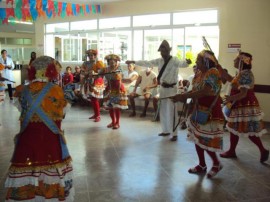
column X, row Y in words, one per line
column 246, row 80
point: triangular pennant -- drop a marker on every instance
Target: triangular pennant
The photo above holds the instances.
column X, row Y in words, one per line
column 69, row 9
column 10, row 12
column 74, row 11
column 94, row 9
column 25, row 3
column 44, row 5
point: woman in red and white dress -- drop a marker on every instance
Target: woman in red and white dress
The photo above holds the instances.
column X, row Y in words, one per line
column 116, row 92
column 41, row 167
column 245, row 118
column 92, row 83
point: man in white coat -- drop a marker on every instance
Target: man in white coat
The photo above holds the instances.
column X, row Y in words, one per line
column 7, row 72
column 168, row 67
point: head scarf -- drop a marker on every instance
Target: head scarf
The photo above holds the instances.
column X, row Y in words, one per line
column 207, row 56
column 45, row 68
column 164, row 44
column 112, row 57
column 91, row 51
column 244, row 58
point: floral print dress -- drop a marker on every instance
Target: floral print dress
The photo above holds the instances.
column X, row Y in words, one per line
column 246, row 115
column 210, row 135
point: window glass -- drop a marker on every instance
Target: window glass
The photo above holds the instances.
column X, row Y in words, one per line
column 194, row 38
column 138, row 45
column 116, row 42
column 27, row 41
column 59, row 27
column 152, row 41
column 49, row 45
column 83, row 25
column 151, row 20
column 114, row 22
column 178, row 46
column 195, row 17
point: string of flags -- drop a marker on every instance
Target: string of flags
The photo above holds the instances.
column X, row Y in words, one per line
column 30, row 10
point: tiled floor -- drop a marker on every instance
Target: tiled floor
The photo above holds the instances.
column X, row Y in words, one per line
column 134, row 164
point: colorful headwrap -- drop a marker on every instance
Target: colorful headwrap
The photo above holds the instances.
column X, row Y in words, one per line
column 166, row 45
column 91, row 51
column 112, row 57
column 206, row 55
column 45, row 68
column 244, row 58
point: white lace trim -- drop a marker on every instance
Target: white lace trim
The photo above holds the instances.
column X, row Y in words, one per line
column 50, row 176
column 257, row 134
column 69, row 198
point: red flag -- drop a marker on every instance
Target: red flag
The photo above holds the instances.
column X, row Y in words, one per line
column 77, row 8
column 5, row 21
column 60, row 7
column 26, row 14
column 25, row 3
column 10, row 12
column 12, row 2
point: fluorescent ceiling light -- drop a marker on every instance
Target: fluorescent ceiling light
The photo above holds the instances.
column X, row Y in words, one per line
column 20, row 22
column 24, row 31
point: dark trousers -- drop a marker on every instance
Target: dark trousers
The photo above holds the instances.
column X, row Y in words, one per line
column 10, row 90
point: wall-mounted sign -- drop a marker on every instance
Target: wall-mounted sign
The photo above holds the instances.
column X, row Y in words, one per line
column 234, row 47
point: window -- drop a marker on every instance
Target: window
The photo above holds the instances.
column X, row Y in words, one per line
column 152, row 41
column 116, row 42
column 114, row 22
column 134, row 37
column 59, row 27
column 195, row 17
column 83, row 25
column 151, row 20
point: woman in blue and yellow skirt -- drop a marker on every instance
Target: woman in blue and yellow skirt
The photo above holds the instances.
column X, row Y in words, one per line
column 245, row 118
column 205, row 94
column 116, row 93
column 41, row 167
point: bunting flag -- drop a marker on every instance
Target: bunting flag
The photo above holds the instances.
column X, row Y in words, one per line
column 30, row 10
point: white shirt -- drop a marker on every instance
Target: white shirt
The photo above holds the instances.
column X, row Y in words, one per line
column 170, row 74
column 7, row 73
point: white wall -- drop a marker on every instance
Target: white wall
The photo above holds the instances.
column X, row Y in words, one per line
column 241, row 21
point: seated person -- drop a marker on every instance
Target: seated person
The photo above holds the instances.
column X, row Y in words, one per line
column 147, row 81
column 130, row 78
column 67, row 77
column 77, row 77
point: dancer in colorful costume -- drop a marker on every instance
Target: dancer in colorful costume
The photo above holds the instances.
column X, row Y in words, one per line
column 207, row 136
column 93, row 85
column 245, row 117
column 41, row 167
column 116, row 92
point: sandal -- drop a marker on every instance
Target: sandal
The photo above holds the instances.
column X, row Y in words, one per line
column 92, row 117
column 97, row 119
column 116, row 126
column 228, row 154
column 110, row 125
column 197, row 169
column 214, row 171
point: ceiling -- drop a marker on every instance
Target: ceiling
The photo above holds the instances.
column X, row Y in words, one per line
column 31, row 28
column 89, row 1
